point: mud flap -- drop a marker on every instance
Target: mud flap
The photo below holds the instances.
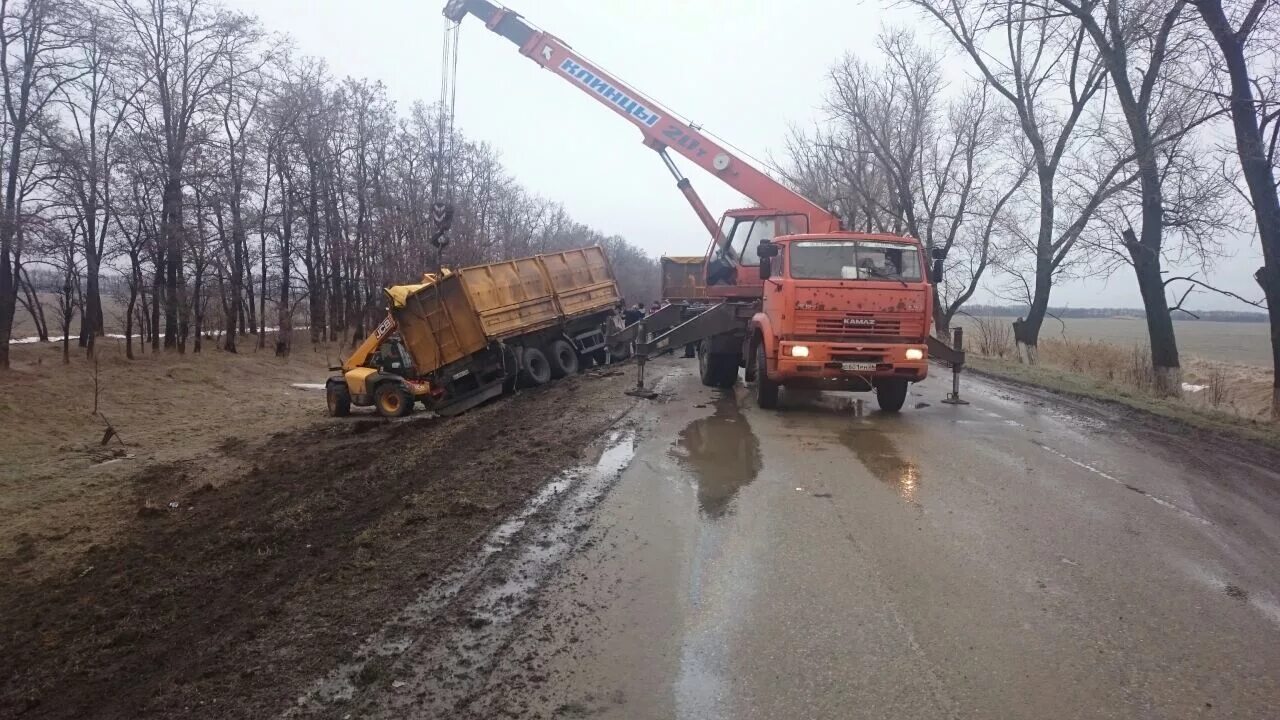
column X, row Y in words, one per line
column 464, row 404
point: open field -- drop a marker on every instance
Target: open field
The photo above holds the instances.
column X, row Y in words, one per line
column 1239, row 343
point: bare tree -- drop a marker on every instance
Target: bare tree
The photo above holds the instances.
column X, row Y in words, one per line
column 1141, row 45
column 94, row 106
column 1038, row 64
column 33, row 34
column 1245, row 43
column 181, row 48
column 907, row 162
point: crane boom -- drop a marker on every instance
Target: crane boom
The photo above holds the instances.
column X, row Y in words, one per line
column 661, row 129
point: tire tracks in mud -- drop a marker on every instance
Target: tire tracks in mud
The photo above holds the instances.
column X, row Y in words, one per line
column 231, row 591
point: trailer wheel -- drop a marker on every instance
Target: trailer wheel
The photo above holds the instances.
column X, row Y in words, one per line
column 891, row 394
column 338, row 399
column 392, row 400
column 534, row 368
column 766, row 389
column 564, row 359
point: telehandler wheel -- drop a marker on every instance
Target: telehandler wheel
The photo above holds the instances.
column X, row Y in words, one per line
column 718, row 370
column 891, row 394
column 766, row 389
column 339, row 400
column 564, row 359
column 534, row 368
column 392, row 400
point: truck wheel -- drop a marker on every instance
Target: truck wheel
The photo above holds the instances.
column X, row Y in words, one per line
column 564, row 359
column 619, row 352
column 392, row 400
column 891, row 394
column 534, row 368
column 766, row 389
column 718, row 370
column 338, row 399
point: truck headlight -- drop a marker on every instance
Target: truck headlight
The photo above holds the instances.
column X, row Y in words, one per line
column 915, row 354
column 799, row 351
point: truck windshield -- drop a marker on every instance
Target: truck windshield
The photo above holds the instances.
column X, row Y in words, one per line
column 853, row 260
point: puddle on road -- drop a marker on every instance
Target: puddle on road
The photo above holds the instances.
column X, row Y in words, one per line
column 721, row 453
column 880, row 455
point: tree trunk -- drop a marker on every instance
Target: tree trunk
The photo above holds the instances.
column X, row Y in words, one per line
column 31, row 300
column 8, row 303
column 1026, row 331
column 128, row 320
column 235, row 306
column 1165, row 363
column 157, row 292
column 91, row 323
column 177, row 303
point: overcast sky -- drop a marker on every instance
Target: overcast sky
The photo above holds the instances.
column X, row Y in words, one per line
column 744, row 69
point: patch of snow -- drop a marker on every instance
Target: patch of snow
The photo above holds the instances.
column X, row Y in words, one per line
column 307, row 386
column 1188, row 387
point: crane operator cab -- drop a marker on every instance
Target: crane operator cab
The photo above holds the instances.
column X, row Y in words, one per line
column 741, row 232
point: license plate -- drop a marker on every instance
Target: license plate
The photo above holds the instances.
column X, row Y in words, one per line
column 858, row 366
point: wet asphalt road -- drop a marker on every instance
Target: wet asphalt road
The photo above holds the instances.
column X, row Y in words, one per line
column 1013, row 558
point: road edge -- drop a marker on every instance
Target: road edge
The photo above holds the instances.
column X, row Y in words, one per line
column 1185, row 421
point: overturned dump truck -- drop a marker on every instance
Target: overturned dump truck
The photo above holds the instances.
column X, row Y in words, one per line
column 464, row 336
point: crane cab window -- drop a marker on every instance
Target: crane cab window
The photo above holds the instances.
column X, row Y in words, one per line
column 747, row 233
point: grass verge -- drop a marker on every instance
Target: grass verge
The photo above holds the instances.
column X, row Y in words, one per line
column 1061, row 381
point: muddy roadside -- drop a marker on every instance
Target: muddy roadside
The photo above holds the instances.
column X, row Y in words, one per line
column 237, row 582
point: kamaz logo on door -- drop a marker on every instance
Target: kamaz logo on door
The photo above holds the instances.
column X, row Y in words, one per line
column 601, row 87
column 860, row 321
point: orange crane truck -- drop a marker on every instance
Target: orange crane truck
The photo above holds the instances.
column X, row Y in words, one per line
column 791, row 296
column 461, row 337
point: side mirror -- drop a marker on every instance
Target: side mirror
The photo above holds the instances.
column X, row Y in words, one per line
column 766, row 266
column 767, row 249
column 939, row 254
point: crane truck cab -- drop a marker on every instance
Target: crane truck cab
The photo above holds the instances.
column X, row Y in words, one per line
column 840, row 311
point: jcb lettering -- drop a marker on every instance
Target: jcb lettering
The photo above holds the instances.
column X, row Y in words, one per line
column 384, row 327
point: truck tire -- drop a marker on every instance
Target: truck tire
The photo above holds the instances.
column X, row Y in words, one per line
column 766, row 389
column 564, row 359
column 534, row 368
column 338, row 400
column 891, row 394
column 718, row 370
column 619, row 352
column 392, row 400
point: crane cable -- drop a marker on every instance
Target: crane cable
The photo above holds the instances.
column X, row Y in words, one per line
column 442, row 180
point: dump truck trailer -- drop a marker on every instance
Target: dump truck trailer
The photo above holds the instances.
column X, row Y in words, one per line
column 461, row 337
column 683, row 279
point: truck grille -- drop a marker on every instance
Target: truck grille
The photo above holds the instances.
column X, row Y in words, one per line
column 868, row 326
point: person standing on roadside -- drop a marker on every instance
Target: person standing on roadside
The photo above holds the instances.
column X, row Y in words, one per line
column 633, row 314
